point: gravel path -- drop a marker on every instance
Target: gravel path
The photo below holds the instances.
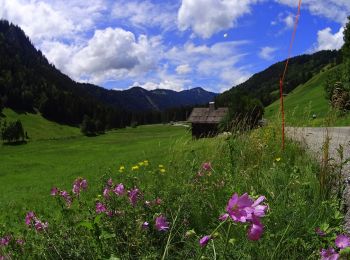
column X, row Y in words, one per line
column 313, row 138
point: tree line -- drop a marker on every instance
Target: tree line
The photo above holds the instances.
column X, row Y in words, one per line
column 28, row 82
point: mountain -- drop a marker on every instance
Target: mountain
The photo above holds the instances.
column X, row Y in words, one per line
column 265, row 85
column 139, row 99
column 28, row 82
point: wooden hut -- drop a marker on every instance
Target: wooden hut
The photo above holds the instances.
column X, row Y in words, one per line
column 205, row 121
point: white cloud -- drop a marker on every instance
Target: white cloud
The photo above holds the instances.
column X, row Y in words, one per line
column 289, row 21
column 328, row 41
column 336, row 10
column 183, row 69
column 112, row 54
column 48, row 20
column 145, row 13
column 266, row 53
column 206, row 17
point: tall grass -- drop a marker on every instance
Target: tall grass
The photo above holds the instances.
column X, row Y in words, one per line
column 192, row 199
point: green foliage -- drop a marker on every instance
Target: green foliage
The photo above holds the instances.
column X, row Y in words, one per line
column 250, row 162
column 243, row 110
column 12, row 132
column 265, row 85
column 91, row 127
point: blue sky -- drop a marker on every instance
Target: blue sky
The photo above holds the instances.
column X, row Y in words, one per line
column 174, row 44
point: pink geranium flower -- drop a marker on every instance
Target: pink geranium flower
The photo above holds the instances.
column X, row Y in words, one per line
column 329, row 254
column 4, row 241
column 256, row 229
column 320, row 232
column 110, row 182
column 100, row 208
column 54, row 191
column 239, row 208
column 161, row 223
column 133, row 196
column 40, row 226
column 204, row 241
column 206, row 166
column 106, row 193
column 65, row 195
column 78, row 185
column 145, row 225
column 342, row 241
column 119, row 189
column 223, row 217
column 29, row 217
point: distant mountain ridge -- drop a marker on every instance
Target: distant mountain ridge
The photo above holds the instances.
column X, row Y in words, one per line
column 264, row 85
column 28, row 82
column 140, row 99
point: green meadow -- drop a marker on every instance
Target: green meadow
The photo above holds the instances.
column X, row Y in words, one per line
column 307, row 100
column 162, row 162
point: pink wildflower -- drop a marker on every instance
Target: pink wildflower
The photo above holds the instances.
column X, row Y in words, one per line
column 4, row 241
column 54, row 191
column 204, row 241
column 65, row 195
column 256, row 229
column 119, row 189
column 320, row 232
column 161, row 223
column 206, row 166
column 40, row 226
column 78, row 185
column 133, row 196
column 329, row 254
column 106, row 193
column 110, row 182
column 100, row 208
column 145, row 225
column 20, row 242
column 158, row 201
column 342, row 241
column 239, row 208
column 223, row 217
column 29, row 217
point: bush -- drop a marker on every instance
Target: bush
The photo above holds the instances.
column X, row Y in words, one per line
column 12, row 132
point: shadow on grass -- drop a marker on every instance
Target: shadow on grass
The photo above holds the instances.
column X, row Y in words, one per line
column 15, row 143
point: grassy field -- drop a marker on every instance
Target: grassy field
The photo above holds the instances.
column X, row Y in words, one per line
column 192, row 198
column 38, row 128
column 27, row 172
column 306, row 100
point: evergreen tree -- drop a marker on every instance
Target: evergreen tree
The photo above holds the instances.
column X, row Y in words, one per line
column 346, row 54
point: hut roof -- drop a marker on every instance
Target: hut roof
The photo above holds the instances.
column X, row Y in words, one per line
column 207, row 116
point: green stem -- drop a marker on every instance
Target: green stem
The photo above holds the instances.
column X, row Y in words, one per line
column 227, row 238
column 169, row 237
column 212, row 233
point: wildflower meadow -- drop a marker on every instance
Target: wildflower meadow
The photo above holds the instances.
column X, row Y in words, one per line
column 236, row 197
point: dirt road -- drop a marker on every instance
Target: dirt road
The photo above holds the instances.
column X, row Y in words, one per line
column 313, row 139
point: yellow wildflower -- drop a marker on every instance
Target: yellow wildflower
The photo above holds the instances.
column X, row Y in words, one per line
column 278, row 159
column 121, row 168
column 162, row 170
column 161, row 166
column 135, row 168
column 145, row 162
column 141, row 163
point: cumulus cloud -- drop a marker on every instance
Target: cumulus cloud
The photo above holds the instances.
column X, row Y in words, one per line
column 183, row 69
column 218, row 61
column 113, row 53
column 266, row 53
column 336, row 10
column 145, row 13
column 206, row 17
column 326, row 40
column 48, row 20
